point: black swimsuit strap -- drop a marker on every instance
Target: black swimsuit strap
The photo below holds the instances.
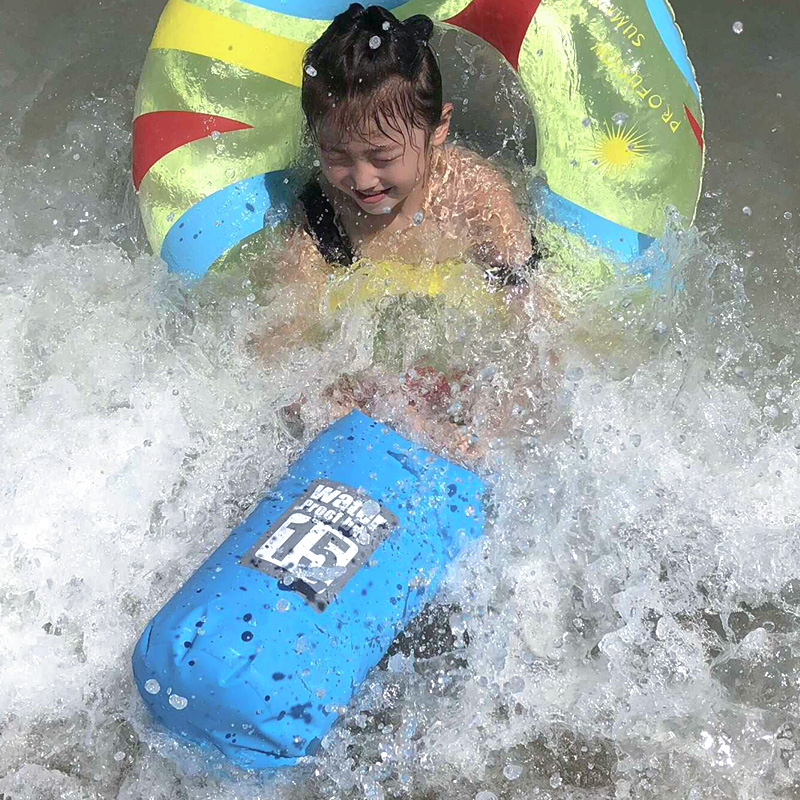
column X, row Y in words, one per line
column 332, row 242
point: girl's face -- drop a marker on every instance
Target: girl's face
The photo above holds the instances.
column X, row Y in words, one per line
column 379, row 172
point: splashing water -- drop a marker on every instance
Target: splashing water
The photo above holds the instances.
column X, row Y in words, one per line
column 628, row 625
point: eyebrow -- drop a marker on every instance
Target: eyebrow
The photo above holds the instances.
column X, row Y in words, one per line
column 381, row 148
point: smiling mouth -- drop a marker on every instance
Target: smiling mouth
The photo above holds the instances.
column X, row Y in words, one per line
column 370, row 197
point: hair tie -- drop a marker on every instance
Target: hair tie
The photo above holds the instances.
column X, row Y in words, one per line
column 420, row 27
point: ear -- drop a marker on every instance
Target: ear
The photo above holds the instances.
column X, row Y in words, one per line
column 443, row 128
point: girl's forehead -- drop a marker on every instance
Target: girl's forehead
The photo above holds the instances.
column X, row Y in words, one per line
column 371, row 135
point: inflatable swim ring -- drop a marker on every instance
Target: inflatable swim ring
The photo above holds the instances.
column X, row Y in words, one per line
column 260, row 649
column 619, row 123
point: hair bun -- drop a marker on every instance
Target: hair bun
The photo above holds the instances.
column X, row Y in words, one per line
column 420, row 27
column 355, row 10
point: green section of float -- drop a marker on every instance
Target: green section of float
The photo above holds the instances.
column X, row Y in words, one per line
column 179, row 81
column 609, row 102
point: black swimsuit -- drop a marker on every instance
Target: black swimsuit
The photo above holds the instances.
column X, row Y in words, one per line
column 336, row 248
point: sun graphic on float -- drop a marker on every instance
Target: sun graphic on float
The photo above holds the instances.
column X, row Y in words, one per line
column 619, row 147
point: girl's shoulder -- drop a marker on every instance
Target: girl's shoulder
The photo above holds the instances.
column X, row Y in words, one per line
column 460, row 160
column 467, row 176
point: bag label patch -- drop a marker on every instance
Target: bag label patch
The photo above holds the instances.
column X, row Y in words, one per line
column 318, row 544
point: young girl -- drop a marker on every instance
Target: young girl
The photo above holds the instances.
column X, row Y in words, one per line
column 389, row 191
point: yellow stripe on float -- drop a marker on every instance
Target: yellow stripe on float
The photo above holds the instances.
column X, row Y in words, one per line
column 188, row 27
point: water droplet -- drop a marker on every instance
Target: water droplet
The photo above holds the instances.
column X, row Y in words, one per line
column 573, row 163
column 417, row 218
column 215, row 134
column 574, row 373
column 556, row 780
column 386, row 210
column 311, row 72
column 486, row 796
column 512, row 771
column 586, row 122
column 386, row 26
column 371, row 508
column 747, row 211
column 315, row 162
column 737, row 27
column 283, row 604
column 787, row 214
column 119, row 755
column 375, row 42
column 178, row 702
column 230, row 172
column 620, row 118
column 152, row 686
column 76, row 157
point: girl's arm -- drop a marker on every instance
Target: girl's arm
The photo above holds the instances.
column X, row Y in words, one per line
column 301, row 280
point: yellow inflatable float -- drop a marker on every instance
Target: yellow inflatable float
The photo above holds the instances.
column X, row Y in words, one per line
column 617, row 110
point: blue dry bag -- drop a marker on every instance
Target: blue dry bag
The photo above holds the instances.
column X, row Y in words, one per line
column 278, row 628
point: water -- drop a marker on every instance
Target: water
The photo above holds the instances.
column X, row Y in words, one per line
column 629, row 629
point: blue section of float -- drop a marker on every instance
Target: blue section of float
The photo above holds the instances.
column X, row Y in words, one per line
column 314, row 9
column 627, row 244
column 262, row 684
column 220, row 221
column 671, row 37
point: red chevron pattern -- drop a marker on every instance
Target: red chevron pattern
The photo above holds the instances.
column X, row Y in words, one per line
column 160, row 132
column 501, row 23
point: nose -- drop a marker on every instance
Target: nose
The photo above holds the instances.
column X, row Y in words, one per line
column 363, row 176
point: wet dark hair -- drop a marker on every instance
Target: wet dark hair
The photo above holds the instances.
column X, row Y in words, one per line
column 370, row 67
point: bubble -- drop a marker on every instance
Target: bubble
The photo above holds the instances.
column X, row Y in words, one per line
column 620, row 118
column 119, row 755
column 512, row 771
column 283, row 604
column 178, row 702
column 484, row 795
column 787, row 214
column 386, row 26
column 417, row 218
column 556, row 780
column 152, row 686
column 311, row 72
column 371, row 508
column 747, row 211
column 737, row 27
column 375, row 42
column 386, row 210
column 574, row 373
column 586, row 122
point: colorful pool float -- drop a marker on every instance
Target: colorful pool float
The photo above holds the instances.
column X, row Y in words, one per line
column 618, row 115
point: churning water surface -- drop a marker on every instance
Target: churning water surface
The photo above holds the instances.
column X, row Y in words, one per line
column 629, row 627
